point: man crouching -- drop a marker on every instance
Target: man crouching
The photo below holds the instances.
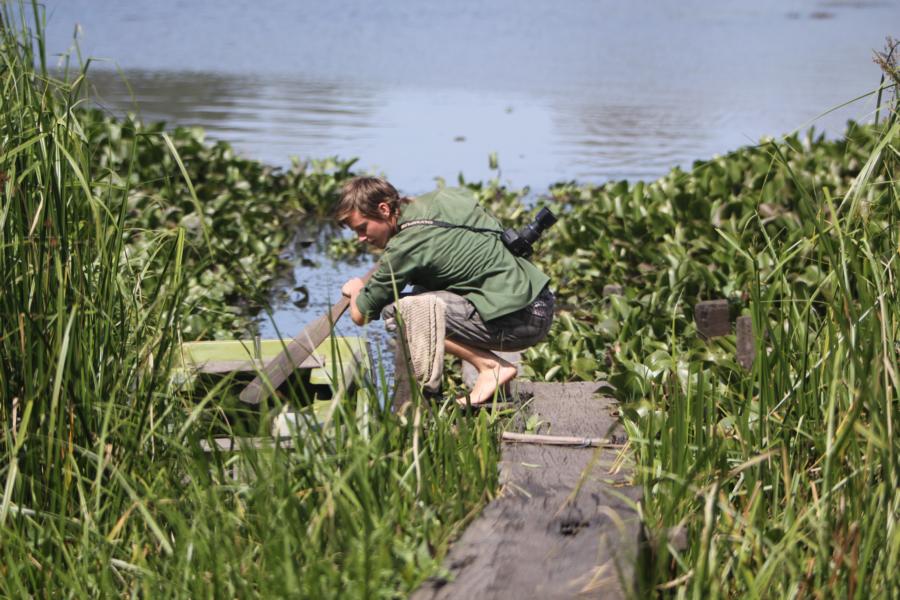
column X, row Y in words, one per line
column 443, row 243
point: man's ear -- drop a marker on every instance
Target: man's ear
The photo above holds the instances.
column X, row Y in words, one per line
column 384, row 209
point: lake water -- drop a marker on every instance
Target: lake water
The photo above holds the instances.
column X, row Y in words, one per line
column 421, row 89
column 417, row 89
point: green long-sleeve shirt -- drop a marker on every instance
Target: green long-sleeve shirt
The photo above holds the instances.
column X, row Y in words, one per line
column 475, row 265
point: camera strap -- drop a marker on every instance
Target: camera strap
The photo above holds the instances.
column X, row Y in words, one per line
column 445, row 225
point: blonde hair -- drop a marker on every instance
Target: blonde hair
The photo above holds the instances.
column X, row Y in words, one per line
column 364, row 194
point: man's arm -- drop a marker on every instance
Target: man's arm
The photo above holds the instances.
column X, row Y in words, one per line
column 367, row 298
column 351, row 290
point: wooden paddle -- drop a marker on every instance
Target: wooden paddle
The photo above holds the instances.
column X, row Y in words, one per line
column 299, row 349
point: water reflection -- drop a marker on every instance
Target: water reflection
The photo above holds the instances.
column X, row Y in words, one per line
column 619, row 141
column 417, row 135
column 266, row 118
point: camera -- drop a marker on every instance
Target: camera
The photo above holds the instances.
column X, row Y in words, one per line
column 520, row 242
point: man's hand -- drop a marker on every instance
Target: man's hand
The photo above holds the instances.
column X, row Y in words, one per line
column 352, row 287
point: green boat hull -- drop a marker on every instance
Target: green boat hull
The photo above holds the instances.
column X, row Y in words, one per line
column 333, row 370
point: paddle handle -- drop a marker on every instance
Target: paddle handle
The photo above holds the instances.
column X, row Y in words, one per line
column 299, row 349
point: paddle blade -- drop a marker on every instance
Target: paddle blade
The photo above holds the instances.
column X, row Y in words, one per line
column 299, row 349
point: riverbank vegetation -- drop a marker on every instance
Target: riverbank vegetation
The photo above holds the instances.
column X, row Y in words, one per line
column 783, row 478
column 237, row 215
column 120, row 240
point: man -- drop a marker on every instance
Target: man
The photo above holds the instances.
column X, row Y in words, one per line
column 445, row 243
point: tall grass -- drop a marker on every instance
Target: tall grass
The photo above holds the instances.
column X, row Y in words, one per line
column 785, row 478
column 86, row 338
column 105, row 488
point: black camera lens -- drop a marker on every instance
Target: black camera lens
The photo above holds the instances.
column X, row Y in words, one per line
column 542, row 221
column 545, row 218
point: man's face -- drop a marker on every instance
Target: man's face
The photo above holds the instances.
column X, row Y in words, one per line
column 373, row 231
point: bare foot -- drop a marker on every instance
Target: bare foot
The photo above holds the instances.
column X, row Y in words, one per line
column 500, row 373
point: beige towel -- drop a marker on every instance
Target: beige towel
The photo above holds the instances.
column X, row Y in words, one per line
column 423, row 322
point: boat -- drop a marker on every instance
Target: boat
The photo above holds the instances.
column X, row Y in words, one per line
column 216, row 371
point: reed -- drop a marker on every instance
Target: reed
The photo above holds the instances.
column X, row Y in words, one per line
column 86, row 335
column 105, row 488
column 802, row 482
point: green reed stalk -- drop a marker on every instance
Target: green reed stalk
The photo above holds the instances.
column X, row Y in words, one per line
column 105, row 488
column 76, row 342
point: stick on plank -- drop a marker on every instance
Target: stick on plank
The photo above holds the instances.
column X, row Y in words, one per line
column 299, row 349
column 559, row 440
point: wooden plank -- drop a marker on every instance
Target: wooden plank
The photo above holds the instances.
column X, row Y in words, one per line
column 227, row 366
column 560, row 440
column 563, row 524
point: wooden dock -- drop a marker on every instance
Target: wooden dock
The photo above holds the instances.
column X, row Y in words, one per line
column 564, row 523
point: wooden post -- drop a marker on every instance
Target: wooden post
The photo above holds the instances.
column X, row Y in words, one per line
column 712, row 319
column 612, row 289
column 746, row 344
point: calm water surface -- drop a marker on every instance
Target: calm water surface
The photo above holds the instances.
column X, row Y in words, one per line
column 583, row 89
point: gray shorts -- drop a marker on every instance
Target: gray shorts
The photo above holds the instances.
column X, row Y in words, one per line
column 509, row 333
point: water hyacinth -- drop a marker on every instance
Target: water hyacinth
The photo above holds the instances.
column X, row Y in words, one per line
column 238, row 214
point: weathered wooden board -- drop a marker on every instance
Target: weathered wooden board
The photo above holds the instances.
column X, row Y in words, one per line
column 564, row 523
column 746, row 343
